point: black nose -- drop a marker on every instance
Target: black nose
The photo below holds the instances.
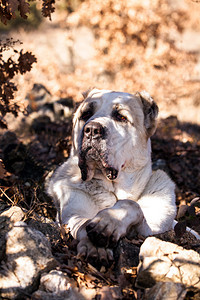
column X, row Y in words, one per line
column 94, row 130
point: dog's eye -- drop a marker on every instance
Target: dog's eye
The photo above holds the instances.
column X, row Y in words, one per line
column 86, row 115
column 118, row 117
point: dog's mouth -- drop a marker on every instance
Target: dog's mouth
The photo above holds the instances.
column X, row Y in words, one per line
column 111, row 173
column 91, row 160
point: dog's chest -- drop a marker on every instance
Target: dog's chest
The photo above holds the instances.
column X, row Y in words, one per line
column 101, row 193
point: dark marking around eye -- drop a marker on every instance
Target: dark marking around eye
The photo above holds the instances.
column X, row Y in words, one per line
column 86, row 115
column 119, row 117
column 87, row 112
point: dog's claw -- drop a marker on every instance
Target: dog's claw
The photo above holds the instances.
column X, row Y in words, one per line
column 95, row 256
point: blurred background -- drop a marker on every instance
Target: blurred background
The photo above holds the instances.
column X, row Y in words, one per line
column 129, row 45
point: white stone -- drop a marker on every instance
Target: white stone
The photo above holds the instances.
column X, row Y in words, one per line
column 167, row 262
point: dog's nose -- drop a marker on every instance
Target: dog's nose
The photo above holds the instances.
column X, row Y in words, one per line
column 94, row 130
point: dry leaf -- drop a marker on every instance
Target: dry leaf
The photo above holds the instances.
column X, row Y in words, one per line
column 12, row 5
column 24, row 8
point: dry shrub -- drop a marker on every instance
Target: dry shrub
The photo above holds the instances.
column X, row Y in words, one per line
column 18, row 62
column 134, row 43
column 8, row 9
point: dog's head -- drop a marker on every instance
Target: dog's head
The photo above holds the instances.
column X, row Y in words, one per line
column 111, row 132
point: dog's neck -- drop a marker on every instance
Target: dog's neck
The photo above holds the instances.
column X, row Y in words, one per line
column 131, row 181
column 131, row 185
column 134, row 177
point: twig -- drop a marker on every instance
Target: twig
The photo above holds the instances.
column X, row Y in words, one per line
column 95, row 272
column 7, row 196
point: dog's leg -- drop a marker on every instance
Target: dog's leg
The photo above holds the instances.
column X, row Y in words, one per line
column 110, row 224
column 158, row 205
column 85, row 248
column 76, row 209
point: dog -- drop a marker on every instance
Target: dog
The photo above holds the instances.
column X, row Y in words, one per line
column 107, row 189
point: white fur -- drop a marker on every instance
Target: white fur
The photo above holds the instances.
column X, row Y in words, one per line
column 147, row 198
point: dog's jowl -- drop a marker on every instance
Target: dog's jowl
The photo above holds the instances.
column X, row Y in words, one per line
column 107, row 186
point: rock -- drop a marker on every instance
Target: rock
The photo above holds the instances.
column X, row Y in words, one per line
column 165, row 291
column 126, row 256
column 109, row 293
column 166, row 262
column 54, row 282
column 2, row 246
column 49, row 228
column 28, row 254
column 7, row 220
column 8, row 283
column 187, row 240
column 10, row 216
column 41, row 295
column 56, row 285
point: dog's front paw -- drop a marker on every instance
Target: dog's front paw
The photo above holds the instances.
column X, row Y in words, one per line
column 94, row 255
column 110, row 224
column 103, row 231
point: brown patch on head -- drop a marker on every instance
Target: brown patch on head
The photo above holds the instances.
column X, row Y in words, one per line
column 150, row 110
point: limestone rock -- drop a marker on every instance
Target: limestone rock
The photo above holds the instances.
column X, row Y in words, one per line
column 28, row 254
column 49, row 228
column 7, row 219
column 56, row 285
column 126, row 256
column 54, row 282
column 166, row 291
column 10, row 216
column 167, row 262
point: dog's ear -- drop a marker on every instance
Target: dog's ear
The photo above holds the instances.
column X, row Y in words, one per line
column 86, row 93
column 150, row 110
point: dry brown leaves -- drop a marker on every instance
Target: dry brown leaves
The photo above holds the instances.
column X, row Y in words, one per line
column 19, row 62
column 48, row 8
column 8, row 9
column 133, row 41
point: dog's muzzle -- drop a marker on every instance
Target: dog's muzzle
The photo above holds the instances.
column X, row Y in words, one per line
column 92, row 153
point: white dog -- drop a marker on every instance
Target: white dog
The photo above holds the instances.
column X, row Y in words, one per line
column 107, row 187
